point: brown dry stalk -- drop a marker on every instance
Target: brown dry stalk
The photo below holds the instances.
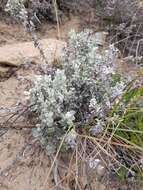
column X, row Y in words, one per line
column 16, row 126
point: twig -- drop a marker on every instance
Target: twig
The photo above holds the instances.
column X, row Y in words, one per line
column 54, row 160
column 56, row 176
column 17, row 127
column 76, row 173
column 57, row 18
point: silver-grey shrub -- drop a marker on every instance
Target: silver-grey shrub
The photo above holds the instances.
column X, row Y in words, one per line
column 85, row 89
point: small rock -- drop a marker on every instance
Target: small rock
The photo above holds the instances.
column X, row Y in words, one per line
column 101, row 38
column 6, row 174
column 100, row 170
column 16, row 54
column 3, row 71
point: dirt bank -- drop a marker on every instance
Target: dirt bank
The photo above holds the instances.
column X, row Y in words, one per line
column 23, row 164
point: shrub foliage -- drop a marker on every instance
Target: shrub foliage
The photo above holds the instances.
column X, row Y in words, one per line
column 84, row 90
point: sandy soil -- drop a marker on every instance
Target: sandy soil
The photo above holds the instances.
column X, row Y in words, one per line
column 12, row 33
column 23, row 164
column 20, row 166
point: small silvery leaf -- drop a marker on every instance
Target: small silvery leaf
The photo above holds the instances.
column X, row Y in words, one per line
column 43, row 141
column 141, row 162
column 98, row 128
column 50, row 149
column 35, row 133
column 69, row 117
column 93, row 163
column 71, row 138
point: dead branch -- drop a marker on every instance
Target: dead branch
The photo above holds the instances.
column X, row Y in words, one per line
column 16, row 126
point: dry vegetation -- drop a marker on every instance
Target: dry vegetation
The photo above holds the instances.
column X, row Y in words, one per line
column 82, row 125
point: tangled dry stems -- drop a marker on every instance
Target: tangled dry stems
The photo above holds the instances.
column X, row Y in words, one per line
column 95, row 147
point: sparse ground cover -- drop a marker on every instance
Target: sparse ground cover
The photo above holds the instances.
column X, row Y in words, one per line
column 104, row 151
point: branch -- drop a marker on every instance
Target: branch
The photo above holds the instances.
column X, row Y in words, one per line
column 16, row 126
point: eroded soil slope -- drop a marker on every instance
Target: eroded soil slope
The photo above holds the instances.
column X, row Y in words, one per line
column 23, row 164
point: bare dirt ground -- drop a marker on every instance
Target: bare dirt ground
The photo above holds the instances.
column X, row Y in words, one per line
column 24, row 165
column 12, row 33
